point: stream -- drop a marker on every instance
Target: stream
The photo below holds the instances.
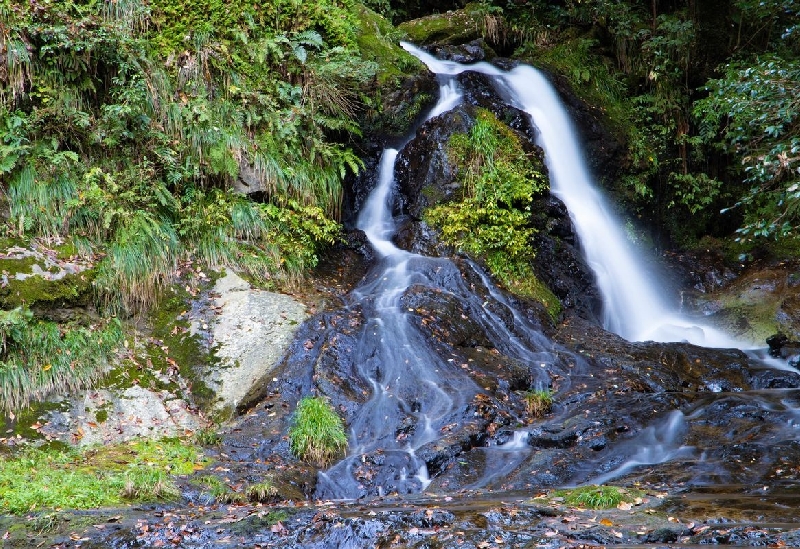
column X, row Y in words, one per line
column 418, row 396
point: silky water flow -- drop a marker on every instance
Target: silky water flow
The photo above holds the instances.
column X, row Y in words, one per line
column 418, row 393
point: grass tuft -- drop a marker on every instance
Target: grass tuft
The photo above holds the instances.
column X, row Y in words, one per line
column 538, row 403
column 317, row 434
column 593, row 497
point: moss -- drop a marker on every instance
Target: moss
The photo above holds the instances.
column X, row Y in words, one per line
column 452, row 27
column 531, row 287
column 378, row 41
column 72, row 289
column 177, row 347
column 396, row 100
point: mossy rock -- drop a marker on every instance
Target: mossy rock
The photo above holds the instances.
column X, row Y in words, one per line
column 404, row 87
column 36, row 290
column 452, row 27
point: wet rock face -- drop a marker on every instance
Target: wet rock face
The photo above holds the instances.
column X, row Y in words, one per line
column 471, row 52
column 763, row 300
column 425, row 174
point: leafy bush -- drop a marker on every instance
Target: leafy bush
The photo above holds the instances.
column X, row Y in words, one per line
column 317, row 434
column 754, row 112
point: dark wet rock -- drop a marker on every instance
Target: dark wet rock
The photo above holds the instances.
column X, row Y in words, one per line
column 559, row 262
column 425, row 175
column 358, row 187
column 471, row 52
column 664, row 535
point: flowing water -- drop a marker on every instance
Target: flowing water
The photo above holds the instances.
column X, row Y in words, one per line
column 633, row 298
column 414, row 392
column 416, row 395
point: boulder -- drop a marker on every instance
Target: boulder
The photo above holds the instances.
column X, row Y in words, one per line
column 250, row 332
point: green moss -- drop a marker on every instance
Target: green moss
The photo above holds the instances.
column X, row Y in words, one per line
column 452, row 27
column 378, row 41
column 176, row 347
column 393, row 103
column 72, row 289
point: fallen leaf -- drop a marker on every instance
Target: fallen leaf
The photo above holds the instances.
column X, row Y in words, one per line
column 606, row 522
column 625, row 506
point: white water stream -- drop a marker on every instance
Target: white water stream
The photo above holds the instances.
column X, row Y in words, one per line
column 635, row 305
column 633, row 298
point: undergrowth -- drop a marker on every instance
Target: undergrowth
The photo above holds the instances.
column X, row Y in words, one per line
column 38, row 357
column 141, row 471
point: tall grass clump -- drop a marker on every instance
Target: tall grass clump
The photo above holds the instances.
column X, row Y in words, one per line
column 317, row 434
column 538, row 402
column 39, row 358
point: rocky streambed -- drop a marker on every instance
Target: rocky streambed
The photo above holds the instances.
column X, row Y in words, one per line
column 703, row 442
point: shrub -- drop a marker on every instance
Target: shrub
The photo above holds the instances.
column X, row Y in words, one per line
column 317, row 434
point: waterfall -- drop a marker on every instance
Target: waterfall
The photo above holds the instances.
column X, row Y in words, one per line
column 416, row 394
column 633, row 297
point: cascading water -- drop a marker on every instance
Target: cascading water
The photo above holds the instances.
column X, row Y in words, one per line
column 634, row 305
column 415, row 394
column 633, row 301
column 415, row 391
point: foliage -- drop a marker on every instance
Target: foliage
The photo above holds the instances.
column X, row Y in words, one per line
column 38, row 358
column 492, row 220
column 538, row 402
column 753, row 112
column 594, row 497
column 116, row 117
column 317, row 434
column 94, row 477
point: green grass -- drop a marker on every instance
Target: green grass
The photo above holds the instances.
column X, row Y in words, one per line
column 317, row 434
column 140, row 471
column 39, row 358
column 595, row 497
column 538, row 402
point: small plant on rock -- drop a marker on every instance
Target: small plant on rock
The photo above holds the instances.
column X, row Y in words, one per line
column 317, row 434
column 538, row 402
column 593, row 497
